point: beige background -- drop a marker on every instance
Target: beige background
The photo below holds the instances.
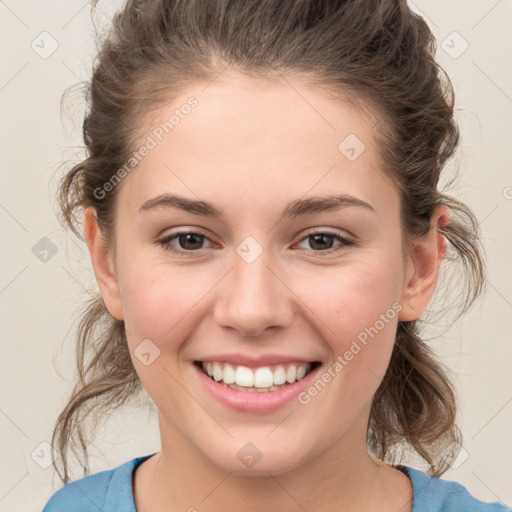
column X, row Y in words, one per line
column 39, row 300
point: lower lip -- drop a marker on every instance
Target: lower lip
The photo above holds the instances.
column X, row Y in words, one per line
column 261, row 402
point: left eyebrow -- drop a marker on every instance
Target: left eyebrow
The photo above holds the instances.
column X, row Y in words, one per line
column 296, row 208
column 323, row 204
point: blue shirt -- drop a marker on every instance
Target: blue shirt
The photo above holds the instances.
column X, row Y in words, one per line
column 111, row 491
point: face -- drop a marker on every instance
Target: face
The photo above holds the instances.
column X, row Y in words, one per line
column 270, row 283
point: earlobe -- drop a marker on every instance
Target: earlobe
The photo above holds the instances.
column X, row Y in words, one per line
column 103, row 264
column 426, row 257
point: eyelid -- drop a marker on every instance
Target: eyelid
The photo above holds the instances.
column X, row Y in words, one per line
column 165, row 240
column 327, row 231
column 345, row 242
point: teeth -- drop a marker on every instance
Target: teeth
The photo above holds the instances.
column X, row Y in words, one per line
column 253, row 390
column 263, row 378
column 217, row 371
column 244, row 376
column 257, row 380
column 229, row 374
column 291, row 374
column 279, row 376
column 301, row 371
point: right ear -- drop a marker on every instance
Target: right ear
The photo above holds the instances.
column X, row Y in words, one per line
column 103, row 264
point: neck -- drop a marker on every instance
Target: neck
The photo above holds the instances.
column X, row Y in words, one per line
column 182, row 478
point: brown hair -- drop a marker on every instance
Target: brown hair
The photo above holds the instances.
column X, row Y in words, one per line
column 380, row 52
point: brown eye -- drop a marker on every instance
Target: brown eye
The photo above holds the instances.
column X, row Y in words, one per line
column 187, row 242
column 323, row 241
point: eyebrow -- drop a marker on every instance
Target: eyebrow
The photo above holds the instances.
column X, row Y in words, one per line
column 296, row 208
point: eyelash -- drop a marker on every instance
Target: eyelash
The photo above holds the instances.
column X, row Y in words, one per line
column 344, row 242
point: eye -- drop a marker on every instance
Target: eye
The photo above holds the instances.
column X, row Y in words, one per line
column 322, row 241
column 188, row 240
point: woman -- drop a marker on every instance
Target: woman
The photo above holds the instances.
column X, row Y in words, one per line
column 262, row 213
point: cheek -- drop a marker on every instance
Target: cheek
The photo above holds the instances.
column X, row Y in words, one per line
column 163, row 301
column 358, row 305
column 354, row 296
column 160, row 304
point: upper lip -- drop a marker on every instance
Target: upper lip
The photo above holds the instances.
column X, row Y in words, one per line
column 254, row 362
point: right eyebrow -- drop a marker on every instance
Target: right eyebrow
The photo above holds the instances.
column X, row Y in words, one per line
column 182, row 203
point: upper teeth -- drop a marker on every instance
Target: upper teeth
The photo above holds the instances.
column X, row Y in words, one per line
column 263, row 377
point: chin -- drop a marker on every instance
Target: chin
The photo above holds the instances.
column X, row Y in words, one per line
column 258, row 458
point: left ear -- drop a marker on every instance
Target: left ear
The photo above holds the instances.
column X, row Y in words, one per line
column 426, row 256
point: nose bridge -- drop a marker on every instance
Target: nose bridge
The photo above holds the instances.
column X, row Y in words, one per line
column 253, row 297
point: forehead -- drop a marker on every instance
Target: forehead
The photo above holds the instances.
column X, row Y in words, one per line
column 279, row 137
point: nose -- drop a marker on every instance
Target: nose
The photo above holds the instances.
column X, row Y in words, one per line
column 254, row 297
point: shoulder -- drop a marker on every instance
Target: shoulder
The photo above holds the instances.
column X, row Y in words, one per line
column 108, row 491
column 87, row 493
column 434, row 494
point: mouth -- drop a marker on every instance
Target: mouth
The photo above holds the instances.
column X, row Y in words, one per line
column 264, row 379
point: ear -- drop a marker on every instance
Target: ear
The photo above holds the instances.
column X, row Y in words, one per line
column 426, row 256
column 103, row 263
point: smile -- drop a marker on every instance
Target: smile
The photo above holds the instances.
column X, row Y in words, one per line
column 262, row 379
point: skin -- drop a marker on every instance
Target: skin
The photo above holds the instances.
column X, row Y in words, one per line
column 251, row 148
